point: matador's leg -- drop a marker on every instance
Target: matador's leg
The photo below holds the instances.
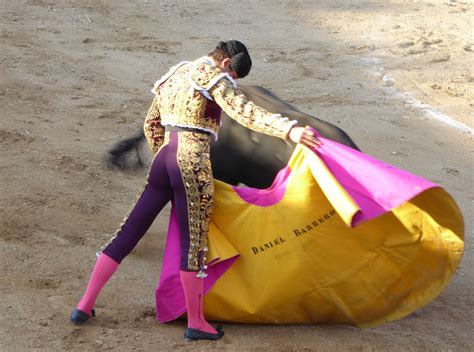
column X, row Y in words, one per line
column 193, row 190
column 154, row 197
column 157, row 192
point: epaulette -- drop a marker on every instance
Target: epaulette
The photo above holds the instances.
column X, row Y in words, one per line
column 168, row 75
column 204, row 75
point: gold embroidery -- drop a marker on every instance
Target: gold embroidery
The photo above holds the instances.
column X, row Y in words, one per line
column 182, row 103
column 193, row 158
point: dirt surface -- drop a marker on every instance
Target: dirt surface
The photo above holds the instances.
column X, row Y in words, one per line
column 75, row 78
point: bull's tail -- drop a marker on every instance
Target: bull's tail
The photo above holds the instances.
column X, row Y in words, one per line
column 117, row 156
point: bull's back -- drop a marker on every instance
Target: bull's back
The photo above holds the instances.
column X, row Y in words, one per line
column 244, row 156
column 267, row 100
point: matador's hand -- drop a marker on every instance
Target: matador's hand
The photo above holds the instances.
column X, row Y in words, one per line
column 305, row 136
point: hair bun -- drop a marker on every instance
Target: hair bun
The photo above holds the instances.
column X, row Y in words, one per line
column 241, row 62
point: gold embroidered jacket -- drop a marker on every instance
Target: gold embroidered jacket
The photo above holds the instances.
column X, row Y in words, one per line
column 184, row 98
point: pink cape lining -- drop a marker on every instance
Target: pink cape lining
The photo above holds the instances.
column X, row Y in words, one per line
column 375, row 186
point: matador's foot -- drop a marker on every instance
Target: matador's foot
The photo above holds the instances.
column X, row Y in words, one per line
column 195, row 334
column 79, row 317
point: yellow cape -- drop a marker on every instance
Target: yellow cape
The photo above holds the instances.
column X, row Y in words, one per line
column 300, row 262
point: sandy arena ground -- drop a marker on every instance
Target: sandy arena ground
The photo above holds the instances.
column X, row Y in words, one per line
column 75, row 78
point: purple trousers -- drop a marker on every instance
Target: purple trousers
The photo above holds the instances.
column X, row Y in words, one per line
column 181, row 173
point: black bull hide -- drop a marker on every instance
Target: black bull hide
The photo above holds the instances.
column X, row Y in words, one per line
column 244, row 156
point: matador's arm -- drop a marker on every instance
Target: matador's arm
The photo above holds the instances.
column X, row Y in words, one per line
column 245, row 112
column 154, row 131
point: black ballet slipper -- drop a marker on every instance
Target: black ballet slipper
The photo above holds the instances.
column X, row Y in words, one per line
column 79, row 317
column 195, row 334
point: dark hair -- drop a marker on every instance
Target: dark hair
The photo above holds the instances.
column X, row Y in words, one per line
column 237, row 52
column 220, row 52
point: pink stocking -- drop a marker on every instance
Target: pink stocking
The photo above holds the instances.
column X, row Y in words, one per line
column 104, row 268
column 193, row 293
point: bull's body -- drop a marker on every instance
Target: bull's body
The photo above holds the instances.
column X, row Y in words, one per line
column 243, row 156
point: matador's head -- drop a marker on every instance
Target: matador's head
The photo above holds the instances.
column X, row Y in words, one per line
column 234, row 56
